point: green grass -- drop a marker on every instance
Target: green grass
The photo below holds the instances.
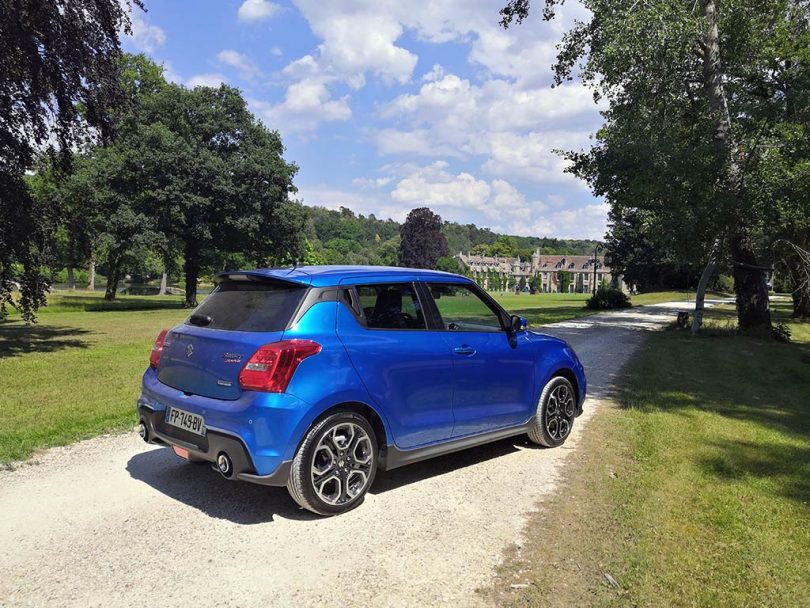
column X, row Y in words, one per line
column 543, row 308
column 657, row 297
column 694, row 490
column 93, row 301
column 73, row 375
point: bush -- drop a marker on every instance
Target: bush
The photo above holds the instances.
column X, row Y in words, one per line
column 605, row 299
column 781, row 333
column 723, row 283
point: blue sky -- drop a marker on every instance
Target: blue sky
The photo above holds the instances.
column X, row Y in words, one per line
column 388, row 105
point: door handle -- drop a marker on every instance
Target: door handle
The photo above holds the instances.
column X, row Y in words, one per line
column 464, row 349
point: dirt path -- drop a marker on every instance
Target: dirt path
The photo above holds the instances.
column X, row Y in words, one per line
column 112, row 522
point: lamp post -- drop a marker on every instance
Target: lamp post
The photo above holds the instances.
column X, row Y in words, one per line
column 595, row 251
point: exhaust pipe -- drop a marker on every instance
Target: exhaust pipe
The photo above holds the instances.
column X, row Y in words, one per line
column 225, row 465
column 143, row 431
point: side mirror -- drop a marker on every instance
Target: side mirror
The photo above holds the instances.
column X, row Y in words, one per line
column 517, row 323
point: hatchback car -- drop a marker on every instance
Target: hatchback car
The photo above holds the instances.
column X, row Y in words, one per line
column 316, row 378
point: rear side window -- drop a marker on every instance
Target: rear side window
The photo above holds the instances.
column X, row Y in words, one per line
column 391, row 306
column 248, row 306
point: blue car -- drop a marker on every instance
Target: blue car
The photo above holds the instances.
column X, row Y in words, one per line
column 317, row 377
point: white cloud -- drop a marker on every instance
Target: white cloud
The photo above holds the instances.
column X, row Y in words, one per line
column 205, row 80
column 450, row 116
column 306, row 104
column 588, row 221
column 434, row 186
column 371, row 182
column 253, row 11
column 357, row 38
column 145, row 36
column 241, row 63
column 531, row 156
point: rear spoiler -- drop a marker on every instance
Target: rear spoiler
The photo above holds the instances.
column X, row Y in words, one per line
column 274, row 275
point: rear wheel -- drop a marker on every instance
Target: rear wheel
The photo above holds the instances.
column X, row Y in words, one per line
column 556, row 411
column 335, row 464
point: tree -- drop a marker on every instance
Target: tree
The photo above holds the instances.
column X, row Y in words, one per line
column 697, row 101
column 422, row 241
column 58, row 80
column 189, row 172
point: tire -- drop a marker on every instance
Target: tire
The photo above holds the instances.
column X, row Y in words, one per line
column 556, row 411
column 326, row 479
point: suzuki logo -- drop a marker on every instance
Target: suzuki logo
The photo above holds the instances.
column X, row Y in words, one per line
column 189, row 350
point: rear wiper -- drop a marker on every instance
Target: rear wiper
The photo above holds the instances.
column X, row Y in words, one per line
column 200, row 320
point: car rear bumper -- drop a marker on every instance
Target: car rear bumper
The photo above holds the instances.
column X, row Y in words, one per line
column 209, row 447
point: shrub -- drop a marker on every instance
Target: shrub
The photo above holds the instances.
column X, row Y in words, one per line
column 606, row 298
column 781, row 333
column 723, row 283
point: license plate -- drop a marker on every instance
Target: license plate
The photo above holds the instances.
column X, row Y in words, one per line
column 185, row 420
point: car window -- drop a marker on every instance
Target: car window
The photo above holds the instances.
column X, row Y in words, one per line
column 462, row 309
column 391, row 306
column 249, row 306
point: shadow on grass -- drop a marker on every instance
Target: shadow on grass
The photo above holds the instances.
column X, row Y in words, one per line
column 16, row 338
column 787, row 467
column 740, row 379
column 78, row 303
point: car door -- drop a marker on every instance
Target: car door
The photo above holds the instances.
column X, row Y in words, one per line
column 493, row 375
column 407, row 369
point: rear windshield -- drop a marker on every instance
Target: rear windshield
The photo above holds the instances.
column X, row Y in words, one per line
column 244, row 306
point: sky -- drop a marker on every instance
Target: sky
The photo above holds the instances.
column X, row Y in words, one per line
column 388, row 105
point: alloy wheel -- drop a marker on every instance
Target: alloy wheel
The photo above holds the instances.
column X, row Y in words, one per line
column 342, row 463
column 560, row 410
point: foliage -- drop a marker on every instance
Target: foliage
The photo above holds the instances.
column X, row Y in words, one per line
column 422, row 241
column 608, row 298
column 58, row 79
column 704, row 147
column 781, row 333
column 449, row 264
column 564, row 278
column 189, row 172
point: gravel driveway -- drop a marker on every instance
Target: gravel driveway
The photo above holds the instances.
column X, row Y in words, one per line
column 113, row 522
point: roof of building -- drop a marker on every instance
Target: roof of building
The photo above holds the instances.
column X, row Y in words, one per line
column 538, row 263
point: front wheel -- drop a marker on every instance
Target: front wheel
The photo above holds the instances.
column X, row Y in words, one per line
column 556, row 411
column 335, row 464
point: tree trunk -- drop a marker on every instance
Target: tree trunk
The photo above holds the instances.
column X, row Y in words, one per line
column 113, row 276
column 163, row 284
column 700, row 294
column 753, row 304
column 192, row 271
column 801, row 299
column 753, row 312
column 71, row 278
column 91, row 283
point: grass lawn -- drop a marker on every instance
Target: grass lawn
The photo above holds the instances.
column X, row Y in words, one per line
column 544, row 308
column 73, row 375
column 693, row 489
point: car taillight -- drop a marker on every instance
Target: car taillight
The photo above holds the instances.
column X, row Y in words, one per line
column 271, row 368
column 157, row 349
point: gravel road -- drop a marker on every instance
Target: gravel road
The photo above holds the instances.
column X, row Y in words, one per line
column 113, row 522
